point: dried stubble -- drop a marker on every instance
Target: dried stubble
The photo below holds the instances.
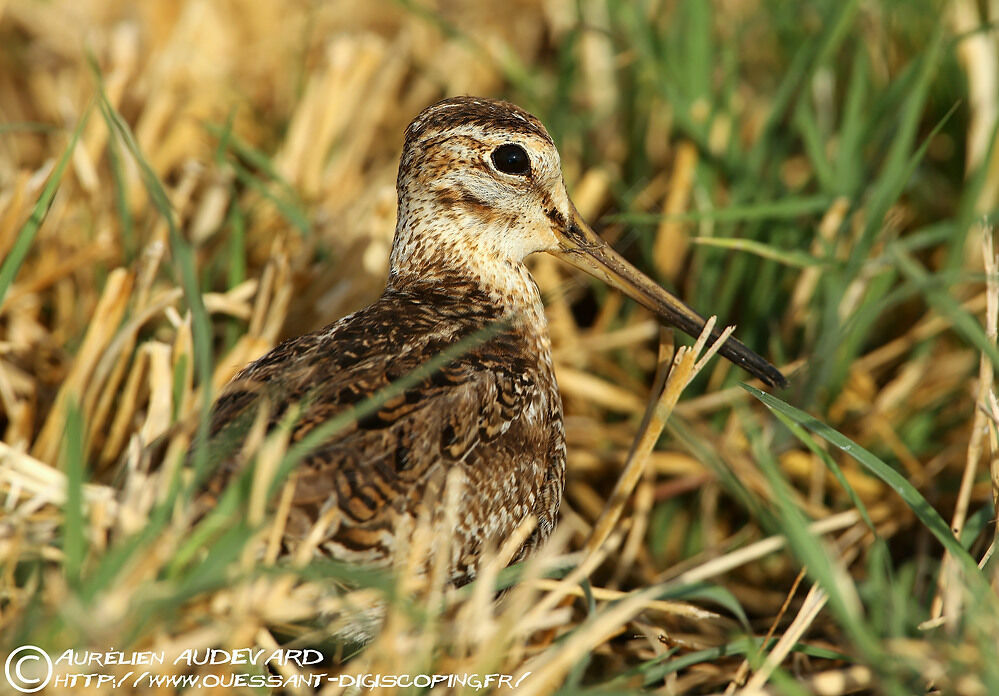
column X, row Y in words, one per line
column 237, row 118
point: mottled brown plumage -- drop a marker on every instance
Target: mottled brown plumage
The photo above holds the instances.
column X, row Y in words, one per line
column 493, row 415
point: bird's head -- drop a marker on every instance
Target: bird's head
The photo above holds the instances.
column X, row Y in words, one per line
column 480, row 187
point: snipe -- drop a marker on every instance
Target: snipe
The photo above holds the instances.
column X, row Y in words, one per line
column 480, row 188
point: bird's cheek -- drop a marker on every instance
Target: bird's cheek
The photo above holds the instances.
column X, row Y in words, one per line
column 541, row 236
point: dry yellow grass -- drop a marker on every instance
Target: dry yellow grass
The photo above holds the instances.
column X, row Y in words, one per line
column 96, row 322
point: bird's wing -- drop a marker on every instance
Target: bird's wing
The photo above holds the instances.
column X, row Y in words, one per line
column 377, row 465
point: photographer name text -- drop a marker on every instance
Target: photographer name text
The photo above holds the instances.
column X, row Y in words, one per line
column 191, row 657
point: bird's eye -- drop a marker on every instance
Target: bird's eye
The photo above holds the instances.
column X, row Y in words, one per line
column 512, row 159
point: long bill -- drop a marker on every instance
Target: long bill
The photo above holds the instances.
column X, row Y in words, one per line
column 580, row 246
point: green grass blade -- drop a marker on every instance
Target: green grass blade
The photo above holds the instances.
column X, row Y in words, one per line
column 229, row 141
column 925, row 512
column 289, row 209
column 714, row 594
column 27, row 127
column 177, row 385
column 849, row 158
column 976, row 524
column 653, row 671
column 782, row 209
column 812, row 139
column 119, row 182
column 790, row 257
column 808, row 57
column 815, row 557
column 899, row 164
column 183, row 255
column 698, row 52
column 74, row 544
column 729, row 481
column 944, row 303
column 830, row 464
column 26, row 235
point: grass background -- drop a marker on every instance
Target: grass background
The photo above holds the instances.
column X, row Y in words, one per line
column 184, row 184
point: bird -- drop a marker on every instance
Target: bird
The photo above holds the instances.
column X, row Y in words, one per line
column 480, row 188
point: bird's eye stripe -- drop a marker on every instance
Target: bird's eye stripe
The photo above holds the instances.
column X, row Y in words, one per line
column 512, row 159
